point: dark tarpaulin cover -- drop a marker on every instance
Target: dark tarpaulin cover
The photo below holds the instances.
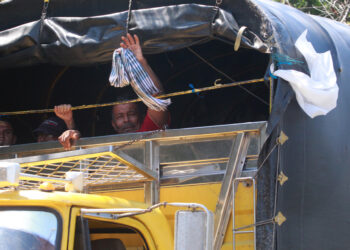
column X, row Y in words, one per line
column 316, row 156
column 79, row 39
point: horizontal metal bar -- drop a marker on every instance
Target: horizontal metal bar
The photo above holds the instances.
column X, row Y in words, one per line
column 244, row 232
column 122, row 138
column 134, row 163
column 166, row 181
column 195, row 174
column 29, row 177
column 111, row 210
column 60, row 155
column 195, row 162
column 176, row 133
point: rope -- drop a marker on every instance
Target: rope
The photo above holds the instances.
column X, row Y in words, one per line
column 272, row 220
column 262, row 164
column 228, row 77
column 275, row 198
column 186, row 92
column 260, row 223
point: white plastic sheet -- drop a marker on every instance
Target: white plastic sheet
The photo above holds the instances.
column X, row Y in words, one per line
column 316, row 94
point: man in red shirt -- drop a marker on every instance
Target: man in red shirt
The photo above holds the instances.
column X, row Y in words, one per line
column 126, row 118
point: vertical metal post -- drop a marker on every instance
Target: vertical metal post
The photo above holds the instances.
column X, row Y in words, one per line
column 83, row 164
column 152, row 162
column 271, row 95
column 234, row 168
column 237, row 180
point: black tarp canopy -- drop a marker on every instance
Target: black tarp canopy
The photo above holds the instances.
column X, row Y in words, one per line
column 316, row 156
column 91, row 33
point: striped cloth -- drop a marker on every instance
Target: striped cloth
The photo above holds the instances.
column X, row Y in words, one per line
column 126, row 70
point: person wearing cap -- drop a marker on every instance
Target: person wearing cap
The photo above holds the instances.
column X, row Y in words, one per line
column 53, row 127
column 7, row 136
column 50, row 129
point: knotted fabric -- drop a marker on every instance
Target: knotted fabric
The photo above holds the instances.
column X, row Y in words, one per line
column 126, row 70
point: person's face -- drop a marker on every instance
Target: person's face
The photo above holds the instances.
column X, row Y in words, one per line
column 45, row 137
column 125, row 118
column 6, row 134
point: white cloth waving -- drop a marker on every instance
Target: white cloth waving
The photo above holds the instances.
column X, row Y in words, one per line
column 316, row 94
column 127, row 70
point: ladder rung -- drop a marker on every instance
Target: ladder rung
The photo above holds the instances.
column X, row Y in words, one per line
column 243, row 232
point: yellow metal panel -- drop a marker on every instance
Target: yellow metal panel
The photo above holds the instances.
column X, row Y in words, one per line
column 243, row 216
column 82, row 200
column 74, row 213
column 206, row 194
column 132, row 194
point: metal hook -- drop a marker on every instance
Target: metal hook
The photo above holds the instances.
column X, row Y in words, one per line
column 216, row 83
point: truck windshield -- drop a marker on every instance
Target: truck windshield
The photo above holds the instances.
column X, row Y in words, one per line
column 28, row 229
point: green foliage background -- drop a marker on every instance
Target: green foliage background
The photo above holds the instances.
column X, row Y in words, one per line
column 333, row 9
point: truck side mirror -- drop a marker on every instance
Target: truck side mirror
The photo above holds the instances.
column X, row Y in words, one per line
column 193, row 230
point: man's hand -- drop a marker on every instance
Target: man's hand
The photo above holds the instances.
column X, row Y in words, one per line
column 133, row 44
column 65, row 112
column 69, row 138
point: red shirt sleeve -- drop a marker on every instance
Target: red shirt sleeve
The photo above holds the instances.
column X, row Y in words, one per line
column 149, row 125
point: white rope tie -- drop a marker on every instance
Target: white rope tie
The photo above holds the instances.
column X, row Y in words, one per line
column 239, row 37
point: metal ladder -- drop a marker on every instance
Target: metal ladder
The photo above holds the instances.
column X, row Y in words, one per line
column 232, row 177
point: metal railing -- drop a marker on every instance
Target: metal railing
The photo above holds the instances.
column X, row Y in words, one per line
column 172, row 157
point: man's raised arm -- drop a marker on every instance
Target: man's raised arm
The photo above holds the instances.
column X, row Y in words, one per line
column 132, row 43
column 70, row 136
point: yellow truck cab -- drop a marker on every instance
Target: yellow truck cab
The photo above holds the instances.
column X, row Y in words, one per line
column 171, row 189
column 53, row 220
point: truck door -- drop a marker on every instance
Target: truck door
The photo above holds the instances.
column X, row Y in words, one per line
column 95, row 233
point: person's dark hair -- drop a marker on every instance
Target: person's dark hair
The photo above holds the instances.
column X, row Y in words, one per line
column 130, row 96
column 5, row 118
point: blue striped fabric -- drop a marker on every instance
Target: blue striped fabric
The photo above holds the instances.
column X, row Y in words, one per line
column 126, row 70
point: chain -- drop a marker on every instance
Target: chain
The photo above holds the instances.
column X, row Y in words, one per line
column 43, row 15
column 216, row 10
column 138, row 139
column 128, row 18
